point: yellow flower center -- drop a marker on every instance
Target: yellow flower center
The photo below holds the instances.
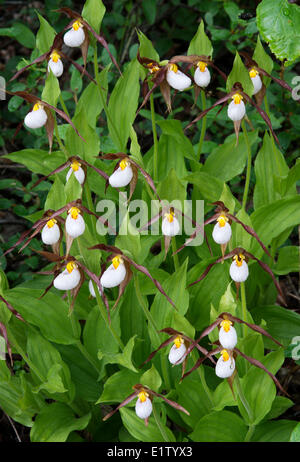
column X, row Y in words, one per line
column 55, row 56
column 51, row 223
column 123, row 164
column 202, row 66
column 74, row 212
column 143, row 395
column 226, row 325
column 222, row 220
column 76, row 25
column 225, row 355
column 174, row 67
column 152, row 68
column 170, row 216
column 178, row 341
column 71, row 266
column 237, row 98
column 239, row 259
column 253, row 73
column 37, row 106
column 116, row 261
column 75, row 165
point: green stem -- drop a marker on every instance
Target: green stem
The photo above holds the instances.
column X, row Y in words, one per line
column 155, row 142
column 248, row 172
column 61, row 100
column 249, row 433
column 271, row 136
column 175, row 257
column 151, row 321
column 202, row 379
column 243, row 398
column 203, row 126
column 159, row 424
column 244, row 306
column 60, row 143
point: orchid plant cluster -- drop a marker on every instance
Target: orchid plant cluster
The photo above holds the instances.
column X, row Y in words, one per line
column 118, row 311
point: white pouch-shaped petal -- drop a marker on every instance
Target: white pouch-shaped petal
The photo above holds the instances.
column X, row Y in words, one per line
column 91, row 289
column 170, row 228
column 225, row 369
column 56, row 67
column 74, row 38
column 221, row 234
column 36, row 119
column 143, row 409
column 51, row 235
column 66, row 280
column 177, row 353
column 75, row 227
column 178, row 80
column 79, row 175
column 257, row 83
column 113, row 277
column 121, row 177
column 236, row 111
column 202, row 78
column 239, row 273
column 228, row 339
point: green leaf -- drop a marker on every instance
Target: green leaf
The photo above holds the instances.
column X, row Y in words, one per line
column 240, row 237
column 129, row 238
column 51, row 89
column 288, row 260
column 200, row 43
column 279, row 406
column 192, row 397
column 45, row 35
column 279, row 24
column 37, row 160
column 222, row 426
column 263, row 60
column 151, row 379
column 149, row 9
column 56, row 197
column 209, row 186
column 146, row 48
column 239, row 73
column 124, row 358
column 118, row 386
column 295, row 436
column 122, row 115
column 72, row 189
column 21, row 33
column 93, row 12
column 55, row 422
column 172, row 189
column 173, row 128
column 54, row 381
column 279, row 431
column 138, row 429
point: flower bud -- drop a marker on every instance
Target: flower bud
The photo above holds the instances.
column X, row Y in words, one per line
column 69, row 278
column 122, row 176
column 225, row 365
column 75, row 36
column 36, row 118
column 256, row 80
column 236, row 109
column 75, row 224
column 50, row 232
column 227, row 335
column 78, row 172
column 238, row 270
column 55, row 64
column 177, row 79
column 202, row 75
column 143, row 406
column 114, row 274
column 170, row 225
column 177, row 351
column 91, row 289
column 222, row 230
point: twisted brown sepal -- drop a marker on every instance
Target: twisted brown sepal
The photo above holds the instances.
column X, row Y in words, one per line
column 137, row 389
column 115, row 251
column 135, row 167
column 76, row 16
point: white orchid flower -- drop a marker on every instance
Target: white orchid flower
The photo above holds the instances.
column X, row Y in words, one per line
column 238, row 270
column 236, row 109
column 114, row 274
column 55, row 64
column 69, row 278
column 225, row 365
column 176, row 354
column 222, row 230
column 143, row 406
column 75, row 224
column 256, row 80
column 177, row 79
column 78, row 172
column 122, row 176
column 91, row 289
column 36, row 118
column 75, row 36
column 170, row 225
column 50, row 232
column 227, row 335
column 202, row 75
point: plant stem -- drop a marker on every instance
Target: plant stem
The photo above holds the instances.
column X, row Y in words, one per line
column 159, row 424
column 244, row 307
column 243, row 399
column 175, row 257
column 203, row 126
column 202, row 379
column 155, row 142
column 61, row 145
column 151, row 321
column 61, row 100
column 248, row 172
column 249, row 433
column 271, row 136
